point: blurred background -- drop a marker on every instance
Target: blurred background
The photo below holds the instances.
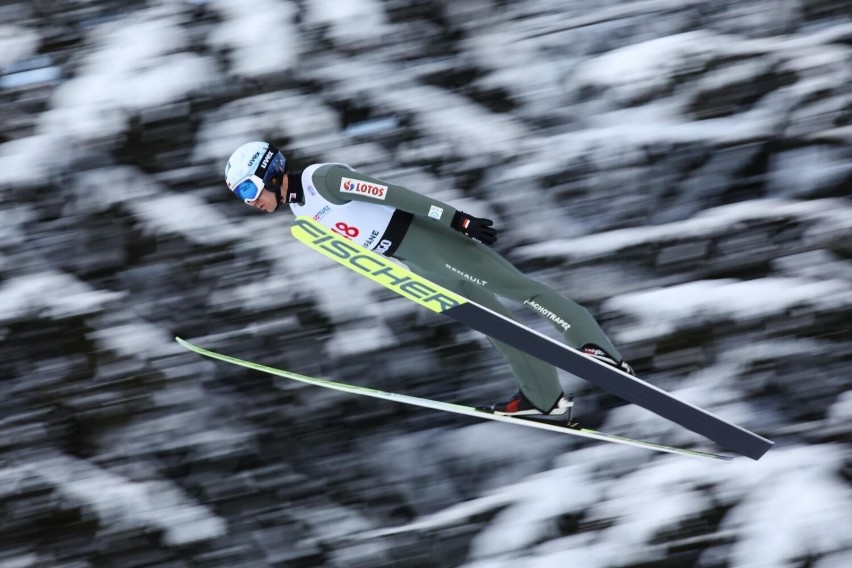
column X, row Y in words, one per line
column 682, row 168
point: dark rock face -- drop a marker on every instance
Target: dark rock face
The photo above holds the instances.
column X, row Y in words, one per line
column 682, row 170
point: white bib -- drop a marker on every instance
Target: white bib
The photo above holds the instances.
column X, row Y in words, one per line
column 362, row 223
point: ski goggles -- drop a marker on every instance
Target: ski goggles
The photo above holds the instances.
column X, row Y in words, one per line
column 270, row 173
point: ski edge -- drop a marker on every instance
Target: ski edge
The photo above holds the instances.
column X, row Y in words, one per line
column 452, row 407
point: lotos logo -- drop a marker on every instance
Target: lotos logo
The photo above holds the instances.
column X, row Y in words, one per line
column 367, row 189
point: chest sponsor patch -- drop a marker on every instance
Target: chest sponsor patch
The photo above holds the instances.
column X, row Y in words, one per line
column 371, row 190
column 322, row 213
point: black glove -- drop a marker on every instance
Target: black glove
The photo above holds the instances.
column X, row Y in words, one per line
column 475, row 227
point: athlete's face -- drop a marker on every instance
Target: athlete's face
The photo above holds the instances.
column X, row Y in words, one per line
column 268, row 200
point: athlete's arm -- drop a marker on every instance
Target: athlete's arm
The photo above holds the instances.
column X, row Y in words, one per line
column 339, row 185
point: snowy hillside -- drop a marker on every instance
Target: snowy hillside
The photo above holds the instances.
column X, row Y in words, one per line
column 683, row 169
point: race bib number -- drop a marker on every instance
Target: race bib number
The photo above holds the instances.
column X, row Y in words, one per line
column 345, row 230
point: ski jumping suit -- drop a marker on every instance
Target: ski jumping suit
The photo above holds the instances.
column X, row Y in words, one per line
column 415, row 229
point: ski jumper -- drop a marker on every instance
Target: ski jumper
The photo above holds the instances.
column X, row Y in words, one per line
column 415, row 229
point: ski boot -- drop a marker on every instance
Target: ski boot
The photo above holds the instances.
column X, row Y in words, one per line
column 594, row 351
column 562, row 412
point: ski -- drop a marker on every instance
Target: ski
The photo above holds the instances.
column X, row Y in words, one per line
column 454, row 408
column 383, row 271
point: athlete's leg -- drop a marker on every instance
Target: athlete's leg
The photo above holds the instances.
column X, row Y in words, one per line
column 442, row 250
column 537, row 380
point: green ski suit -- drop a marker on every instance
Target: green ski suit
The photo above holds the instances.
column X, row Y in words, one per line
column 415, row 229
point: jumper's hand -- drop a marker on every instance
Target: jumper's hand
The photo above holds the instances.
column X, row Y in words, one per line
column 475, row 227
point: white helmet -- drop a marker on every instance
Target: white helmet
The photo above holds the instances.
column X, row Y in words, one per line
column 253, row 166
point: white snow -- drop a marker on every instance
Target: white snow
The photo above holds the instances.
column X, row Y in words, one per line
column 11, row 225
column 661, row 311
column 185, row 215
column 789, row 502
column 23, row 561
column 134, row 340
column 50, row 294
column 644, row 69
column 19, row 158
column 358, row 338
column 134, row 63
column 16, row 43
column 350, row 21
column 40, row 75
column 162, row 212
column 841, row 411
column 119, row 502
column 802, row 511
column 261, row 35
column 302, row 118
column 713, row 221
column 801, row 170
column 472, row 130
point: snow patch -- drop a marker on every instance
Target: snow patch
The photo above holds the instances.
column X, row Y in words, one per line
column 137, row 62
column 16, row 42
column 664, row 310
column 51, row 294
column 261, row 37
column 20, row 158
column 134, row 339
column 801, row 512
column 186, row 215
column 119, row 502
column 350, row 21
column 717, row 220
column 645, row 69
